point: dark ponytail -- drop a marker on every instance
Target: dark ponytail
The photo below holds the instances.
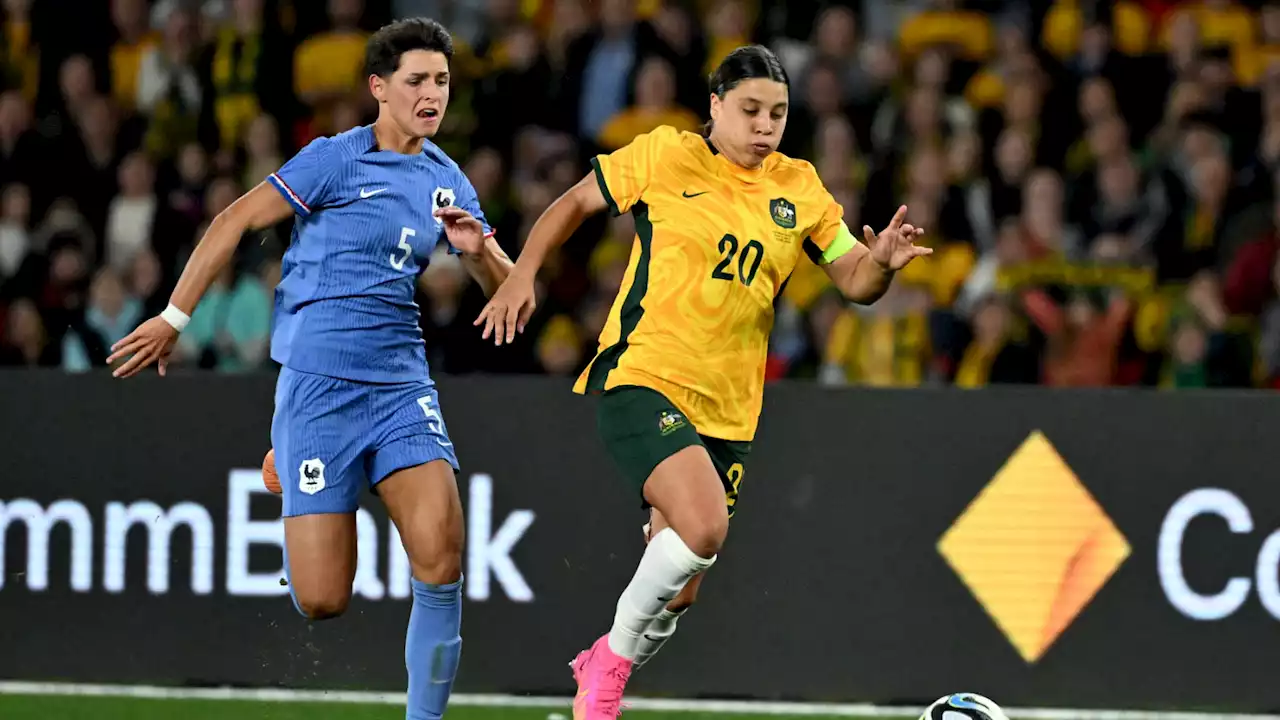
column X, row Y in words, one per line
column 749, row 62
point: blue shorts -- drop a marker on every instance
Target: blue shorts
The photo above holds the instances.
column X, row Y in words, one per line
column 333, row 438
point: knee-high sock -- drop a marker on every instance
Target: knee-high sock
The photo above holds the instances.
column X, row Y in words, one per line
column 666, row 567
column 657, row 634
column 432, row 648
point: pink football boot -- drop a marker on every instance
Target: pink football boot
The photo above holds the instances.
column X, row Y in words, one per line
column 602, row 678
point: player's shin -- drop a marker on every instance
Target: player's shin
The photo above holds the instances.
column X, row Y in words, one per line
column 656, row 635
column 668, row 564
column 432, row 648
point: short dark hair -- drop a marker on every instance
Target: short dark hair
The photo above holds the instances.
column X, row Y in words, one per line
column 382, row 54
column 748, row 62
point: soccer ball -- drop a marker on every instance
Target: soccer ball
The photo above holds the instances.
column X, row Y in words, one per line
column 964, row 706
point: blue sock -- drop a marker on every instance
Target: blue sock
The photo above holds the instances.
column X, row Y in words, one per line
column 432, row 648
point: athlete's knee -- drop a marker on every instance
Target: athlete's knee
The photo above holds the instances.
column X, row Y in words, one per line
column 321, row 605
column 705, row 533
column 439, row 558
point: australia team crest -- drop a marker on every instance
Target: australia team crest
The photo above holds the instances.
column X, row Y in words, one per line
column 783, row 213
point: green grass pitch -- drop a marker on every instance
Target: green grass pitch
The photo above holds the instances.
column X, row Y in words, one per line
column 23, row 707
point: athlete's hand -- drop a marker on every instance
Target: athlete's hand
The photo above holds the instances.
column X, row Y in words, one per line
column 462, row 228
column 150, row 343
column 509, row 309
column 895, row 246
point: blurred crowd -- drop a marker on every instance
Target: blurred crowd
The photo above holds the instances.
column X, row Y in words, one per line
column 1097, row 178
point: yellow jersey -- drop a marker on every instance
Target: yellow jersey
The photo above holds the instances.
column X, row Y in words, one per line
column 714, row 245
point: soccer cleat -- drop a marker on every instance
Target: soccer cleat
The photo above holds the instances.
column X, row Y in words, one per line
column 602, row 678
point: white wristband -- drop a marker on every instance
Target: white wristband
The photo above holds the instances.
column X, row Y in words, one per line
column 175, row 317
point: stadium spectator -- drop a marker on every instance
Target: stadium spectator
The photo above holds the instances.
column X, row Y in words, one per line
column 231, row 329
column 15, row 228
column 602, row 63
column 327, row 66
column 1098, row 179
column 19, row 144
column 135, row 40
column 170, row 91
column 111, row 314
column 654, row 106
column 19, row 63
column 25, row 341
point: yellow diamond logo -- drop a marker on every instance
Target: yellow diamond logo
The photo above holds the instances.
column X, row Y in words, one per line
column 1034, row 547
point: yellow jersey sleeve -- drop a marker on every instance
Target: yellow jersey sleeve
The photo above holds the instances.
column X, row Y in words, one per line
column 830, row 238
column 624, row 174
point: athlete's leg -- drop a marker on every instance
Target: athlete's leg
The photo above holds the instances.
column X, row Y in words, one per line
column 317, row 455
column 663, row 626
column 686, row 491
column 414, row 470
column 662, row 454
column 320, row 552
column 730, row 461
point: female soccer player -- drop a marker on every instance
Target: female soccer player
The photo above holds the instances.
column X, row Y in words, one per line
column 720, row 224
column 355, row 403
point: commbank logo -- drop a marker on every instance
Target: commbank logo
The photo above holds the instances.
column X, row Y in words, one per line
column 1034, row 547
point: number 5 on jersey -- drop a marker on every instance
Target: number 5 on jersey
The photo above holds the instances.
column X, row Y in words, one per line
column 405, row 234
column 748, row 260
column 433, row 418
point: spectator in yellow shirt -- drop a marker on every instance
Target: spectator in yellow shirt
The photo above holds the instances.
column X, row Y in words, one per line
column 728, row 25
column 238, row 53
column 329, row 66
column 19, row 67
column 655, row 105
column 136, row 40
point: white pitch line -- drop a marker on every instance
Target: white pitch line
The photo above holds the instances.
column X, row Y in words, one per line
column 743, row 707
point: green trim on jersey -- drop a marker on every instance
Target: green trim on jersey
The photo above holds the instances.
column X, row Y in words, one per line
column 631, row 310
column 604, row 187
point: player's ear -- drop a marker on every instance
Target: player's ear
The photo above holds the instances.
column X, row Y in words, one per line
column 716, row 104
column 377, row 87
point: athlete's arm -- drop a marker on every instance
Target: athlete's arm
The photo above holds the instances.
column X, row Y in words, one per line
column 513, row 304
column 490, row 267
column 859, row 278
column 469, row 235
column 257, row 209
column 863, row 271
column 618, row 181
column 558, row 223
column 152, row 341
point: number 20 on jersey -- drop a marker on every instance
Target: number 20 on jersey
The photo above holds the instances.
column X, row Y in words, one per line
column 748, row 261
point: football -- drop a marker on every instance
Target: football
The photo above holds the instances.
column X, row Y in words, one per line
column 964, row 706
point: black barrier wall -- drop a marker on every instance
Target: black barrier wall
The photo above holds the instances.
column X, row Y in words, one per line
column 1084, row 549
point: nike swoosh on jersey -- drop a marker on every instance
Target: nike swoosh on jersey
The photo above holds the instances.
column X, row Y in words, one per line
column 368, row 194
column 686, row 193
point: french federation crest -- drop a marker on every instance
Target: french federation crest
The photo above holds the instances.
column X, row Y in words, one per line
column 783, row 213
column 442, row 197
column 311, row 476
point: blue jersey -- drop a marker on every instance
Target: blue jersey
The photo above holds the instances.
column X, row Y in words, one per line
column 364, row 231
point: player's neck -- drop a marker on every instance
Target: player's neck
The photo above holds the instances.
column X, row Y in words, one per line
column 390, row 137
column 729, row 154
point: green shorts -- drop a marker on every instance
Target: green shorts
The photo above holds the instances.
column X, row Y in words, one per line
column 640, row 428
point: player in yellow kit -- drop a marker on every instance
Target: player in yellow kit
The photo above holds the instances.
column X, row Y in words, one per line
column 721, row 222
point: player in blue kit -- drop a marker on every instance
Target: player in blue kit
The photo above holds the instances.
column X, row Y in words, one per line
column 355, row 404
